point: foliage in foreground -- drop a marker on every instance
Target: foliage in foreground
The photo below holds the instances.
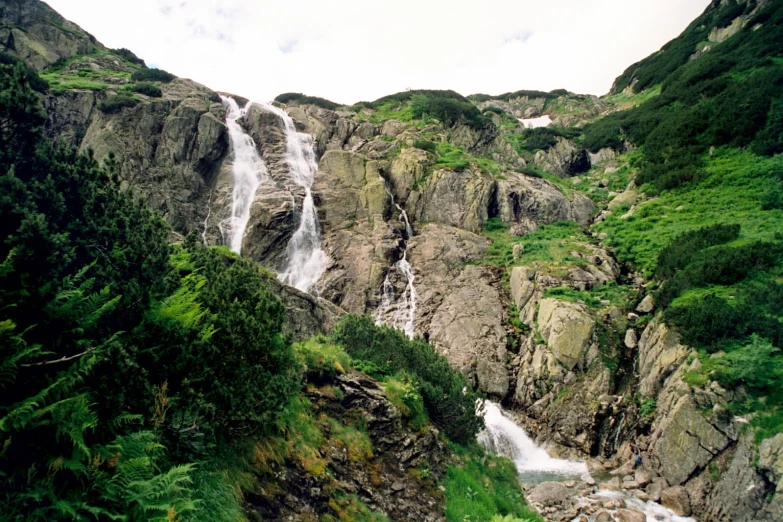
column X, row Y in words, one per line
column 129, row 369
column 484, row 488
column 448, row 398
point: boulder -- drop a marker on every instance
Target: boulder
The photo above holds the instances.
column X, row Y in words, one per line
column 492, row 378
column 603, row 516
column 771, row 458
column 548, row 494
column 631, row 339
column 630, row 515
column 677, row 499
column 641, row 477
column 647, row 305
column 627, row 198
column 567, row 329
column 655, row 489
column 660, row 354
column 522, row 286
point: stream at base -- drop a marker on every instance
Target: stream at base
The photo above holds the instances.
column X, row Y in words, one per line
column 502, row 436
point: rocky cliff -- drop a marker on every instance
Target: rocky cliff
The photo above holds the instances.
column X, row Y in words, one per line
column 515, row 282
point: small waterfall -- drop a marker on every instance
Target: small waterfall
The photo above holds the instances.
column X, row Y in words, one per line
column 248, row 171
column 502, row 436
column 306, row 261
column 399, row 312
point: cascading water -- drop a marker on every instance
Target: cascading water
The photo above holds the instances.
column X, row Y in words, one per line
column 248, row 171
column 502, row 436
column 399, row 312
column 306, row 261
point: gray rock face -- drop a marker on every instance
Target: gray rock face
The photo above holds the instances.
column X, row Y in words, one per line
column 306, row 315
column 548, row 494
column 458, row 199
column 660, row 354
column 407, row 169
column 169, row 150
column 37, row 34
column 492, row 378
column 564, row 159
column 525, row 201
column 687, row 442
column 567, row 329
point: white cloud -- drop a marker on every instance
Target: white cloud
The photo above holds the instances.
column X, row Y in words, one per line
column 351, row 50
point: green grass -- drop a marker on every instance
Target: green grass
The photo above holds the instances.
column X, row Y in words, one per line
column 548, row 246
column 624, row 101
column 730, row 193
column 483, row 487
column 321, row 358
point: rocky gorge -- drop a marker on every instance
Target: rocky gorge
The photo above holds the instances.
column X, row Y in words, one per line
column 517, row 281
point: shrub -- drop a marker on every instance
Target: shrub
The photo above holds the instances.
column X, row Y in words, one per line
column 683, row 248
column 441, row 387
column 128, row 56
column 299, row 98
column 427, row 145
column 115, row 104
column 152, row 75
column 447, row 109
column 147, row 89
column 36, row 82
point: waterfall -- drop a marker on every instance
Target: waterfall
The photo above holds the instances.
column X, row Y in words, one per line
column 306, row 261
column 502, row 436
column 399, row 312
column 248, row 171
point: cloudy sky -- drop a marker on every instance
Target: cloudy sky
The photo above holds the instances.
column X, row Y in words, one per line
column 352, row 50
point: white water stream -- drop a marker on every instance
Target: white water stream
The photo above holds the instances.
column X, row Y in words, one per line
column 502, row 436
column 399, row 312
column 248, row 171
column 306, row 261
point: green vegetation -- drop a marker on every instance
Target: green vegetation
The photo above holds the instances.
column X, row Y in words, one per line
column 301, row 99
column 454, row 158
column 145, row 88
column 152, row 75
column 115, row 104
column 484, row 487
column 33, row 79
column 446, row 106
column 427, row 145
column 441, row 387
column 519, row 94
column 125, row 361
column 728, row 96
column 542, row 138
column 128, row 56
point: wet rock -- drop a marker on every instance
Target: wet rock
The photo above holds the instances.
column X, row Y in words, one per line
column 677, row 499
column 611, row 485
column 603, row 516
column 630, row 515
column 642, row 477
column 492, row 378
column 655, row 489
column 548, row 494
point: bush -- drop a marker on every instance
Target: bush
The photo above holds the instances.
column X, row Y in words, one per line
column 683, row 249
column 720, row 266
column 447, row 109
column 152, row 75
column 427, row 145
column 147, row 89
column 128, row 56
column 301, row 99
column 441, row 387
column 115, row 104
